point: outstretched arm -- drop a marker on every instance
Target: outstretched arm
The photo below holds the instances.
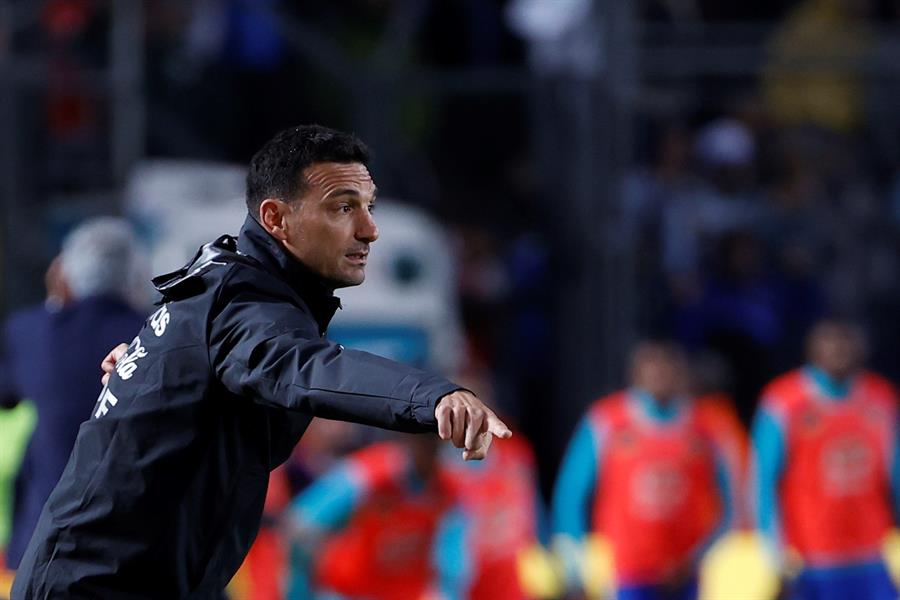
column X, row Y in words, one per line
column 264, row 350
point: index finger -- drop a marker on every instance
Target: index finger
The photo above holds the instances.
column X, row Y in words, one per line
column 498, row 427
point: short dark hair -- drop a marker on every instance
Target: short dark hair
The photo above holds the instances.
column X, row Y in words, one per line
column 276, row 170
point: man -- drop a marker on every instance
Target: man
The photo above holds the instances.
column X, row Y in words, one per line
column 717, row 408
column 87, row 309
column 643, row 472
column 384, row 524
column 163, row 492
column 825, row 470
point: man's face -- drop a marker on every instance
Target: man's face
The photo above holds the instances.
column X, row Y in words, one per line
column 658, row 370
column 329, row 228
column 837, row 349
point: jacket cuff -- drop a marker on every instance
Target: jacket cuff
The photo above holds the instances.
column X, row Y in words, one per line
column 426, row 396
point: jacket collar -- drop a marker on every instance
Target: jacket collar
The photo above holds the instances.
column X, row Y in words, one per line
column 254, row 241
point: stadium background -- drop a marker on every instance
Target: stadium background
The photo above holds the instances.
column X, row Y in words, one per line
column 721, row 173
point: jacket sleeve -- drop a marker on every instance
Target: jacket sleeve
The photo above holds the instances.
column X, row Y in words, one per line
column 268, row 350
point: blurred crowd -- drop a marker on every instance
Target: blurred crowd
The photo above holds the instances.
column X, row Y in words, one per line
column 753, row 224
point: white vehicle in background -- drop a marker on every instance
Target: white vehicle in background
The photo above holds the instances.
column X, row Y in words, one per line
column 179, row 205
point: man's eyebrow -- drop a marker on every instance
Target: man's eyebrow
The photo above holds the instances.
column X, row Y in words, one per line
column 350, row 192
column 344, row 192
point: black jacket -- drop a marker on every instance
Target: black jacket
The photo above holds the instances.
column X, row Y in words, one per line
column 163, row 493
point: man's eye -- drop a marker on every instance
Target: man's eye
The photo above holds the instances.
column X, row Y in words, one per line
column 345, row 208
column 372, row 207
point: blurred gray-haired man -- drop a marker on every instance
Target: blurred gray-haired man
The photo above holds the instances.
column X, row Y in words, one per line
column 49, row 354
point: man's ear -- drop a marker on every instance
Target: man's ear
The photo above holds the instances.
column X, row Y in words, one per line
column 271, row 216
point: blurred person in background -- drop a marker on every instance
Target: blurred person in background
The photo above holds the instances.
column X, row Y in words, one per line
column 264, row 574
column 810, row 51
column 16, row 426
column 18, row 417
column 799, row 233
column 825, row 470
column 643, row 472
column 502, row 498
column 736, row 315
column 725, row 150
column 384, row 524
column 87, row 310
column 648, row 196
column 709, row 378
column 736, row 562
column 648, row 191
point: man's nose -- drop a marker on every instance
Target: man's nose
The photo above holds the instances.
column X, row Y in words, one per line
column 367, row 231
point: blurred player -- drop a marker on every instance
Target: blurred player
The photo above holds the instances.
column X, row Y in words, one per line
column 737, row 560
column 500, row 495
column 708, row 376
column 643, row 472
column 825, row 470
column 264, row 574
column 16, row 425
column 383, row 525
